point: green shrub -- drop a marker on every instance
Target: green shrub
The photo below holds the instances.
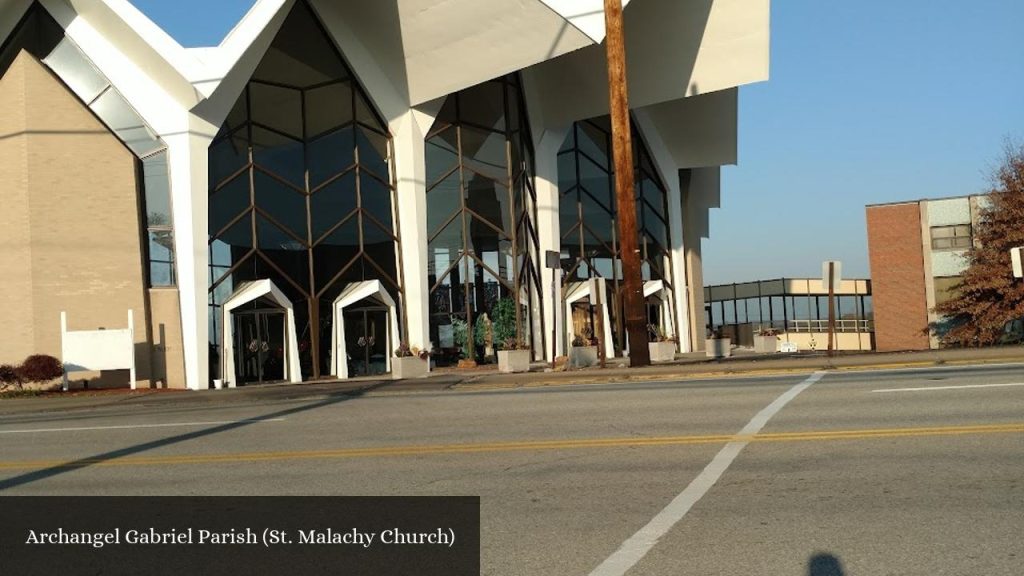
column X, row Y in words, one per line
column 504, row 318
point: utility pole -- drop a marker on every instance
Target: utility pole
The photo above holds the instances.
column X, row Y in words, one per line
column 831, row 306
column 632, row 281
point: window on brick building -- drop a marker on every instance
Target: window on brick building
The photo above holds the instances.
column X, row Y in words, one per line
column 956, row 237
column 946, row 288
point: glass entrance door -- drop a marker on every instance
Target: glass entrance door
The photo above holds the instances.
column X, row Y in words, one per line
column 259, row 345
column 366, row 340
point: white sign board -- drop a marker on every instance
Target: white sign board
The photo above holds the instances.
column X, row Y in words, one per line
column 788, row 347
column 837, row 273
column 1018, row 266
column 95, row 350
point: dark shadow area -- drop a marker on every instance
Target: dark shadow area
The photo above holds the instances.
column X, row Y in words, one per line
column 65, row 467
column 824, row 565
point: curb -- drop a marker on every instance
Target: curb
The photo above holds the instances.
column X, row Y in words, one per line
column 724, row 374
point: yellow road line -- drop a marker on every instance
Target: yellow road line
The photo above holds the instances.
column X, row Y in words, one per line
column 566, row 444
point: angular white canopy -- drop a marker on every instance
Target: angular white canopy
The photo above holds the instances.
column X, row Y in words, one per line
column 576, row 291
column 351, row 294
column 245, row 293
column 657, row 289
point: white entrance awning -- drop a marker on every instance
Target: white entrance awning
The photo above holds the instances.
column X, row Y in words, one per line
column 657, row 289
column 245, row 293
column 654, row 288
column 355, row 292
column 576, row 291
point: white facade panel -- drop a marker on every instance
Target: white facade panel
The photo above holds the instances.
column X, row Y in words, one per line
column 952, row 263
column 949, row 212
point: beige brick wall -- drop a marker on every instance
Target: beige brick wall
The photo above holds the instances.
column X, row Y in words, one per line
column 17, row 338
column 70, row 237
column 165, row 327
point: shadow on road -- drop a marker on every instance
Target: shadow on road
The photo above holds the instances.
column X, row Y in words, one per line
column 824, row 565
column 65, row 467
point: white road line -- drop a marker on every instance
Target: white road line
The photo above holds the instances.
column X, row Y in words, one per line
column 929, row 388
column 639, row 544
column 140, row 426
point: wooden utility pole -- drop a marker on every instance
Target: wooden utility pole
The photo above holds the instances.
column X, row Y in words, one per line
column 632, row 280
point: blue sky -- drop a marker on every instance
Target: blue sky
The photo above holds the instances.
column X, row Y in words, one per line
column 869, row 101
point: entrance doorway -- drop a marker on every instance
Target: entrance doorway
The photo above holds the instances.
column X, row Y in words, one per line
column 365, row 330
column 258, row 335
column 366, row 341
column 259, row 345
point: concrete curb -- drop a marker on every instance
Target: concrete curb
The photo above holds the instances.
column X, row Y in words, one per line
column 595, row 379
column 441, row 383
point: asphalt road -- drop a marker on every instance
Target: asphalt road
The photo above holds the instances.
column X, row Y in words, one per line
column 867, row 473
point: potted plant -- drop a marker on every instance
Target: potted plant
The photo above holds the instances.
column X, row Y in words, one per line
column 716, row 346
column 662, row 346
column 766, row 341
column 514, row 356
column 584, row 350
column 461, row 336
column 410, row 362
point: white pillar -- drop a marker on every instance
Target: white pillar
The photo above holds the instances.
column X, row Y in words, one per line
column 669, row 172
column 188, row 153
column 410, row 167
column 549, row 231
column 678, row 254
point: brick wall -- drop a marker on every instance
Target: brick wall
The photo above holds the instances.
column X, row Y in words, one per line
column 897, row 277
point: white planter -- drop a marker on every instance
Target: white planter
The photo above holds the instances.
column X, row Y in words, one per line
column 510, row 361
column 582, row 356
column 662, row 351
column 766, row 344
column 718, row 347
column 409, row 367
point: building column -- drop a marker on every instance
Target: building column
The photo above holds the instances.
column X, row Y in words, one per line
column 701, row 190
column 929, row 279
column 681, row 291
column 549, row 234
column 410, row 168
column 670, row 174
column 188, row 155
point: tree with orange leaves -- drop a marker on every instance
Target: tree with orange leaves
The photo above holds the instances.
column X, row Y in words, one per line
column 988, row 297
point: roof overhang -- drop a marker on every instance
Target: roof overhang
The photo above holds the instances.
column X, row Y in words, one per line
column 674, row 50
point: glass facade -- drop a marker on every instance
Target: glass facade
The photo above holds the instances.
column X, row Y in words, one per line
column 788, row 305
column 40, row 35
column 159, row 231
column 587, row 219
column 481, row 208
column 301, row 189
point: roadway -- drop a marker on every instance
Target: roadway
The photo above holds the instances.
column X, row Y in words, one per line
column 853, row 473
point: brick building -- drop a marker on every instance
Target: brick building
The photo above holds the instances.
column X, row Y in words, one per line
column 917, row 253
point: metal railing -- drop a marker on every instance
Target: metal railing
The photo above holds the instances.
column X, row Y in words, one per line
column 813, row 326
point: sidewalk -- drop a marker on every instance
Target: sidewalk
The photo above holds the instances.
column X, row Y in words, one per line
column 690, row 366
column 695, row 365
